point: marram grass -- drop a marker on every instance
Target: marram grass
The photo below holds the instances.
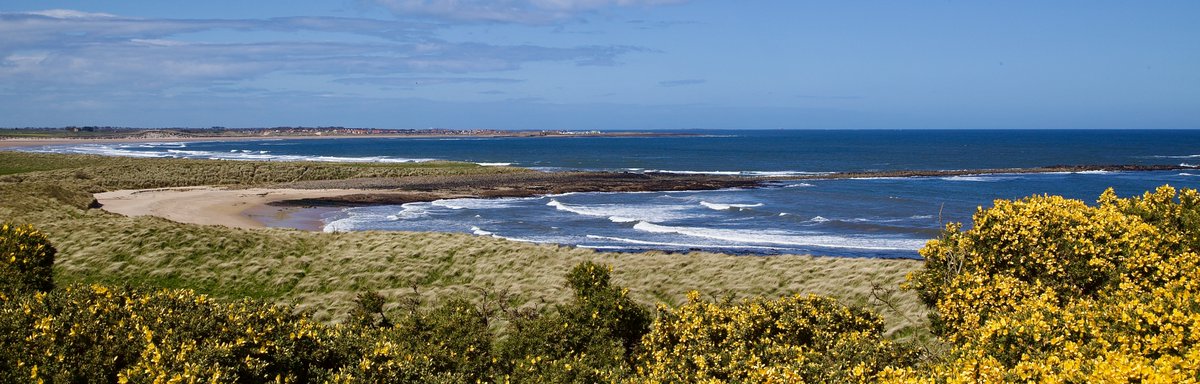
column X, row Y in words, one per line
column 321, row 272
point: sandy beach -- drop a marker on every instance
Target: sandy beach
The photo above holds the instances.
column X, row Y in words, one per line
column 238, row 208
column 301, row 204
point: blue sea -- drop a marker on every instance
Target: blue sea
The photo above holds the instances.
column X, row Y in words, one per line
column 866, row 217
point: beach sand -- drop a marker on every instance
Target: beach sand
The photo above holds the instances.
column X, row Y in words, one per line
column 239, row 208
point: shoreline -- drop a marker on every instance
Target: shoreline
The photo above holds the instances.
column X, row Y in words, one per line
column 303, row 205
column 19, row 142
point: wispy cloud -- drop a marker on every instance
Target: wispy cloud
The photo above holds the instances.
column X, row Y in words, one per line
column 829, row 97
column 506, row 11
column 420, row 81
column 682, row 82
column 67, row 50
column 66, row 28
column 648, row 25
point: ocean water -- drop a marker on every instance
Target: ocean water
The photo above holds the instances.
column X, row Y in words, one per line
column 869, row 217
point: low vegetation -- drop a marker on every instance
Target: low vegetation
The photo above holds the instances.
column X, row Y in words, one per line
column 100, row 173
column 323, row 273
column 1048, row 289
column 97, row 333
column 1039, row 289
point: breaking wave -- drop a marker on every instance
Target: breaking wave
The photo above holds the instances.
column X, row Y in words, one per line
column 622, row 213
column 786, row 238
column 726, row 207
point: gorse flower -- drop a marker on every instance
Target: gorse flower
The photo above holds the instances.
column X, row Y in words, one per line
column 792, row 339
column 26, row 260
column 1050, row 289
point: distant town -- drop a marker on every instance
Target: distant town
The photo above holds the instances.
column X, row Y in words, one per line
column 108, row 132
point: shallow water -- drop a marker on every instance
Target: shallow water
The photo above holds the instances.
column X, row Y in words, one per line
column 876, row 217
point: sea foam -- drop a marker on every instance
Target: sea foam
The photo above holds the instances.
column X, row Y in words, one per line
column 738, row 173
column 726, row 207
column 785, row 238
column 411, row 211
column 470, row 203
column 980, row 178
column 680, row 245
column 622, row 213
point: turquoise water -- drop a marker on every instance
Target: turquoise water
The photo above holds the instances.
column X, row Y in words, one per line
column 878, row 217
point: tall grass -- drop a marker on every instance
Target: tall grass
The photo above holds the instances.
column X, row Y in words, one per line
column 321, row 272
column 97, row 173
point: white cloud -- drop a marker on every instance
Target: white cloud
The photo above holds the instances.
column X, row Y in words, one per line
column 69, row 14
column 61, row 50
column 423, row 81
column 507, row 11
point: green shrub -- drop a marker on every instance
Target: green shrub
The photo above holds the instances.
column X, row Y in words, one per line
column 368, row 310
column 26, row 260
column 588, row 340
column 606, row 308
column 452, row 342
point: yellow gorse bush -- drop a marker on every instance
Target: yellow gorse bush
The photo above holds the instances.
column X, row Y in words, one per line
column 97, row 334
column 791, row 339
column 1050, row 289
column 26, row 260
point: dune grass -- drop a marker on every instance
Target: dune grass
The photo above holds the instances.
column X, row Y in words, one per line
column 322, row 272
column 99, row 173
column 18, row 162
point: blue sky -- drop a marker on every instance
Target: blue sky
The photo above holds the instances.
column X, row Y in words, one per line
column 601, row 64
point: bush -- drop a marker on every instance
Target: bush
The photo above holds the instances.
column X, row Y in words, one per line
column 589, row 340
column 1050, row 289
column 26, row 260
column 792, row 339
column 99, row 334
column 368, row 310
column 452, row 343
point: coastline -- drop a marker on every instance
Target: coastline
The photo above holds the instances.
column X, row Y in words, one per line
column 301, row 205
column 18, row 142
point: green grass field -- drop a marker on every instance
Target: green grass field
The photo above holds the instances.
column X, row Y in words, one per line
column 322, row 272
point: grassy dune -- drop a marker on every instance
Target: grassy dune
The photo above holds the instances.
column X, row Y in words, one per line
column 322, row 272
column 98, row 173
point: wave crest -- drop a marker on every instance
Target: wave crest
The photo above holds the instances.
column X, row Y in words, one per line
column 620, row 213
column 785, row 238
column 726, row 207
